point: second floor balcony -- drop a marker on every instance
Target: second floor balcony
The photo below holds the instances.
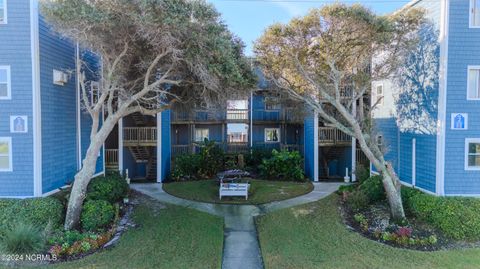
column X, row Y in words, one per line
column 328, row 136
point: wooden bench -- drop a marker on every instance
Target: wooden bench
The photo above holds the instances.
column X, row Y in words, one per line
column 233, row 189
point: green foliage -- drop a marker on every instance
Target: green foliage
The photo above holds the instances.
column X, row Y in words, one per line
column 362, row 221
column 186, row 166
column 112, row 188
column 212, row 158
column 373, row 188
column 23, row 238
column 362, row 173
column 357, row 200
column 203, row 165
column 283, row 165
column 456, row 217
column 39, row 212
column 346, row 189
column 256, row 157
column 96, row 215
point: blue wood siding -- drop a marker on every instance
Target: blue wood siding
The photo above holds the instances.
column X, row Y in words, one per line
column 59, row 110
column 166, row 142
column 260, row 113
column 464, row 50
column 309, row 132
column 15, row 51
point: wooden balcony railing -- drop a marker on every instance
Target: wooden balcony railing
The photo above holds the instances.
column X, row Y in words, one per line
column 111, row 157
column 331, row 135
column 361, row 158
column 140, row 135
column 238, row 114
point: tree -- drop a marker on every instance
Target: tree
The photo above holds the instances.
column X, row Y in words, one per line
column 329, row 58
column 153, row 53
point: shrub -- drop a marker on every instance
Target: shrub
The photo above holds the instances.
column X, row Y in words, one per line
column 186, row 166
column 96, row 215
column 212, row 159
column 283, row 165
column 357, row 200
column 346, row 189
column 373, row 188
column 112, row 188
column 362, row 173
column 203, row 165
column 23, row 239
column 256, row 157
column 39, row 212
column 456, row 217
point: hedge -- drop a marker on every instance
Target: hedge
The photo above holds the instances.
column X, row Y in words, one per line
column 112, row 188
column 456, row 217
column 37, row 211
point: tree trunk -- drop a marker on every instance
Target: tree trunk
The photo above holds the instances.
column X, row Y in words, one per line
column 389, row 179
column 83, row 177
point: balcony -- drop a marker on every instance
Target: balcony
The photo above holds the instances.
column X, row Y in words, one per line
column 238, row 115
column 111, row 158
column 330, row 136
column 184, row 116
column 140, row 136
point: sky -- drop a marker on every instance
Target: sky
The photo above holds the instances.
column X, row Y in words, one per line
column 249, row 18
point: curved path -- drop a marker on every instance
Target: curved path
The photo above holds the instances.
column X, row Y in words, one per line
column 240, row 248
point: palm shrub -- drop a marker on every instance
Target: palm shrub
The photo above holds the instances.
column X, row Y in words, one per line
column 23, row 238
column 283, row 165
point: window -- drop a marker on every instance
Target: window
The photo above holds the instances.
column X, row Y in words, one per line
column 473, row 88
column 5, row 154
column 237, row 133
column 3, row 11
column 272, row 135
column 272, row 103
column 94, row 92
column 380, row 141
column 380, row 97
column 472, row 154
column 201, row 135
column 5, row 82
column 474, row 13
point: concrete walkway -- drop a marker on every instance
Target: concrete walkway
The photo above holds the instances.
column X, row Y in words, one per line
column 241, row 248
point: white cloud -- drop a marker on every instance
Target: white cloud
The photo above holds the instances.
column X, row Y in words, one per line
column 293, row 9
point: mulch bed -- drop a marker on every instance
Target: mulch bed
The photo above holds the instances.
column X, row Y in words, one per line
column 379, row 221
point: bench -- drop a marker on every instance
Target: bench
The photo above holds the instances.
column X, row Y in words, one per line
column 233, row 189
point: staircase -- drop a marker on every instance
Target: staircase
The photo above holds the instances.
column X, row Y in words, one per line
column 152, row 166
column 140, row 154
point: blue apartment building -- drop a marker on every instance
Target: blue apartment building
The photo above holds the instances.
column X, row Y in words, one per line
column 430, row 122
column 43, row 133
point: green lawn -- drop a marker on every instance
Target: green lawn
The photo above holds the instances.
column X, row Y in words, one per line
column 313, row 236
column 261, row 191
column 172, row 237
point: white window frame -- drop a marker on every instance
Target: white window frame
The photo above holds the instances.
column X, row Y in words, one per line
column 378, row 96
column 275, row 101
column 467, row 142
column 272, row 129
column 5, row 13
column 380, row 140
column 470, row 16
column 94, row 92
column 203, row 138
column 9, row 82
column 10, row 154
column 470, row 68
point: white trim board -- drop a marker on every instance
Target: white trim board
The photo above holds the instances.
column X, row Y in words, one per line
column 36, row 97
column 442, row 99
